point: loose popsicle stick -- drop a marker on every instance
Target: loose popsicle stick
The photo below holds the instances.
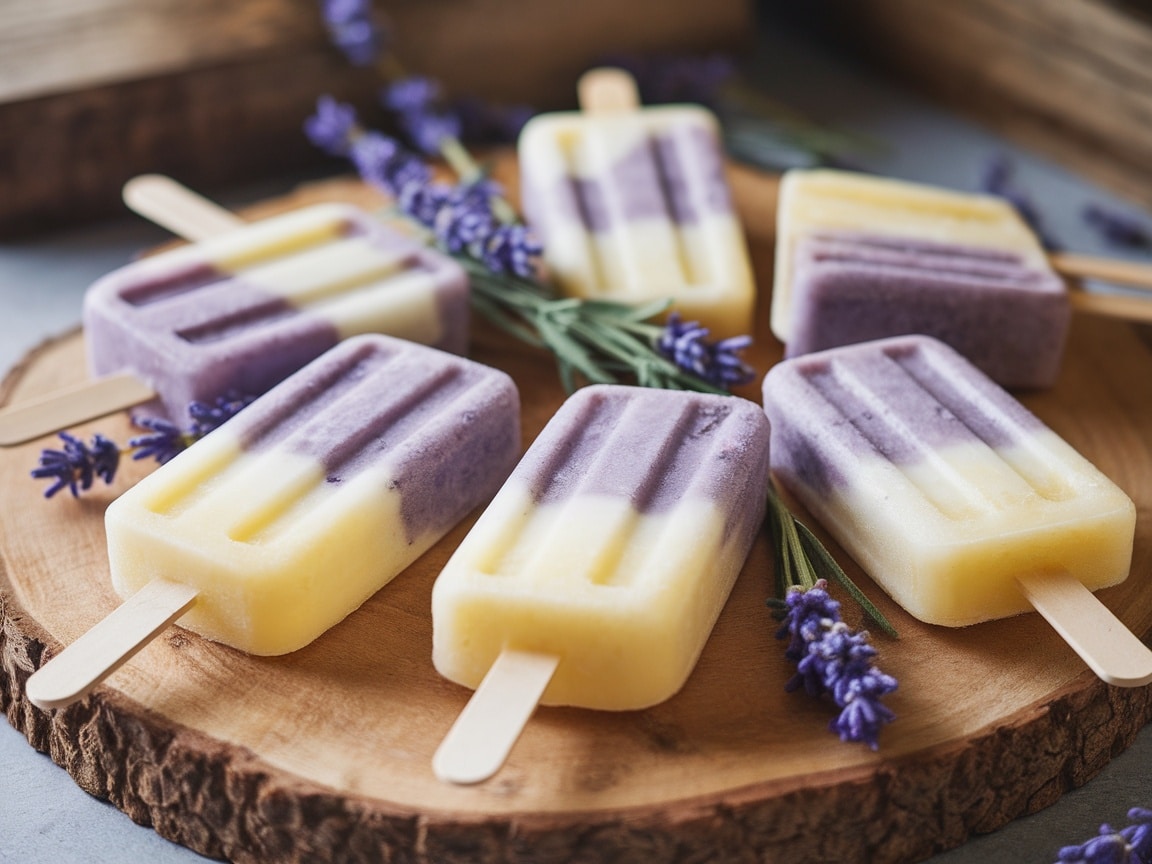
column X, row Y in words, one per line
column 607, row 91
column 1104, row 269
column 1111, row 305
column 1109, row 648
column 69, row 406
column 482, row 736
column 170, row 205
column 173, row 206
column 76, row 670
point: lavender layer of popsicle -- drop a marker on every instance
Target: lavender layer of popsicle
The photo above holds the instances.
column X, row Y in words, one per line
column 1008, row 318
column 194, row 329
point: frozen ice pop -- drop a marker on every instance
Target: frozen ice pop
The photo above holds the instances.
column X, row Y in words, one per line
column 290, row 515
column 1008, row 318
column 246, row 306
column 243, row 310
column 613, row 547
column 633, row 205
column 953, row 497
column 826, row 200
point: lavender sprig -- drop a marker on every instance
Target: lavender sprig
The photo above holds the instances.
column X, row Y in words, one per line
column 602, row 341
column 1131, row 845
column 356, row 29
column 77, row 465
column 833, row 660
column 1120, row 229
column 1000, row 179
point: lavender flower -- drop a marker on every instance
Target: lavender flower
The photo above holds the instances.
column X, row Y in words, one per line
column 207, row 416
column 1131, row 845
column 832, row 659
column 1119, row 228
column 355, row 29
column 678, row 78
column 999, row 179
column 685, row 344
column 512, row 249
column 381, row 161
column 423, row 116
column 163, row 441
column 333, row 126
column 78, row 464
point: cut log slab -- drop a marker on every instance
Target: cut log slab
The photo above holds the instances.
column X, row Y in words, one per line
column 325, row 754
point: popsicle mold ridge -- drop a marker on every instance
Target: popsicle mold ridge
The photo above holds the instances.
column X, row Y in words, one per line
column 243, row 311
column 940, row 484
column 293, row 513
column 613, row 546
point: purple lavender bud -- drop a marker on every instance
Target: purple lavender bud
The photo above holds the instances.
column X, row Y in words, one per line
column 999, row 179
column 208, row 416
column 1120, row 229
column 355, row 29
column 427, row 131
column 686, row 345
column 162, row 442
column 76, row 465
column 331, row 127
column 415, row 93
column 512, row 249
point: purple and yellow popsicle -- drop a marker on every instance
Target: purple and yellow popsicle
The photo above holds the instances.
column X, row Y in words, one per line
column 244, row 310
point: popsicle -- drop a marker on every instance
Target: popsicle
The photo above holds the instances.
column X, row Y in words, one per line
column 940, row 230
column 1008, row 318
column 245, row 307
column 952, row 496
column 602, row 563
column 632, row 205
column 290, row 515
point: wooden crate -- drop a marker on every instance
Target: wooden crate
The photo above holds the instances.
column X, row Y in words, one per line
column 93, row 92
column 1068, row 78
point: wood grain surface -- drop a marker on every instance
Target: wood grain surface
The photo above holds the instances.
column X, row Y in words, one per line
column 325, row 754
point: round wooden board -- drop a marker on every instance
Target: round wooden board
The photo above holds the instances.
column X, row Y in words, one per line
column 324, row 755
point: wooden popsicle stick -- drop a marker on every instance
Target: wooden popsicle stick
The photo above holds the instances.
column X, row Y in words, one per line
column 1111, row 305
column 69, row 406
column 607, row 91
column 1104, row 269
column 174, row 206
column 482, row 736
column 1109, row 648
column 76, row 670
column 170, row 205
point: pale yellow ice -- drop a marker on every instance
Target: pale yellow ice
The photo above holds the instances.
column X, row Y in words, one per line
column 253, row 532
column 827, row 200
column 703, row 265
column 626, row 600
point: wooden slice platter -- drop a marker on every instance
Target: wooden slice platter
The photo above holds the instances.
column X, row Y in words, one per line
column 325, row 754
